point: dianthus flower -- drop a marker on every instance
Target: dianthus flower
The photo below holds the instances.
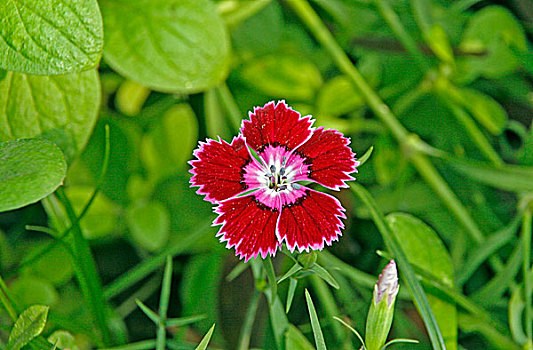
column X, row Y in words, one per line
column 256, row 180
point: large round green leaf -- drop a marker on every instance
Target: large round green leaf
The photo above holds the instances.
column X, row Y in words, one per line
column 167, row 45
column 423, row 248
column 30, row 170
column 61, row 108
column 50, row 36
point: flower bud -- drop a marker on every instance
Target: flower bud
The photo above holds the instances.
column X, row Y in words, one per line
column 381, row 311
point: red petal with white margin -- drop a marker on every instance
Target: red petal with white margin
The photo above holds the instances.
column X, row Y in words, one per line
column 330, row 159
column 249, row 226
column 312, row 220
column 217, row 171
column 275, row 125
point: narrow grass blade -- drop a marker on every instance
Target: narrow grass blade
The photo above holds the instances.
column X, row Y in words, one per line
column 148, row 312
column 366, row 156
column 400, row 340
column 247, row 327
column 236, row 272
column 183, row 321
column 294, row 269
column 205, row 341
column 290, row 293
column 325, row 275
column 140, row 345
column 354, row 331
column 315, row 325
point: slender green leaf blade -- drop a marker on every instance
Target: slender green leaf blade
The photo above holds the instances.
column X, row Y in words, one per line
column 315, row 324
column 148, row 312
column 50, row 36
column 205, row 341
column 513, row 178
column 325, row 275
column 170, row 46
column 31, row 169
column 183, row 321
column 423, row 248
column 61, row 108
column 290, row 293
column 295, row 340
column 28, row 326
column 271, row 274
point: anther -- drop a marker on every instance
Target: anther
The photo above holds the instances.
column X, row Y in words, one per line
column 296, row 186
column 281, row 188
column 272, row 169
column 282, row 171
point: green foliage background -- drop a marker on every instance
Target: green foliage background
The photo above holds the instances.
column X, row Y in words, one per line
column 102, row 103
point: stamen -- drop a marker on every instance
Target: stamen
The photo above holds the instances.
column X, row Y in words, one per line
column 282, row 171
column 281, row 188
column 272, row 169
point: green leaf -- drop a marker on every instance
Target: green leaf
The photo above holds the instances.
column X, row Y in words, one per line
column 424, row 248
column 516, row 311
column 205, row 341
column 28, row 326
column 295, row 340
column 63, row 340
column 338, row 96
column 31, row 170
column 293, row 270
column 353, row 330
column 51, row 36
column 55, row 266
column 61, row 108
column 149, row 224
column 167, row 45
column 31, row 290
column 183, row 321
column 148, row 312
column 494, row 31
column 290, row 293
column 325, row 275
column 315, row 324
column 283, row 76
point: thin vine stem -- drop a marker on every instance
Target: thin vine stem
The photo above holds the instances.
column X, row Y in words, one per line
column 526, row 242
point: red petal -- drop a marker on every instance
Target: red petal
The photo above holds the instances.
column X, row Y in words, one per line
column 311, row 221
column 277, row 125
column 218, row 169
column 330, row 159
column 249, row 226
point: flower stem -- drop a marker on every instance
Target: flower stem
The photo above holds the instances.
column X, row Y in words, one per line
column 526, row 241
column 6, row 302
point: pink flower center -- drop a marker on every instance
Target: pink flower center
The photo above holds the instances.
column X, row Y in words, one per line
column 276, row 174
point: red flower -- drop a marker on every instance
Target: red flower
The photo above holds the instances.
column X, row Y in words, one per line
column 260, row 200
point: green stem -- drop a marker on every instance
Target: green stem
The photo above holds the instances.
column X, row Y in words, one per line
column 327, row 301
column 246, row 331
column 86, row 271
column 394, row 23
column 230, row 106
column 526, row 241
column 6, row 302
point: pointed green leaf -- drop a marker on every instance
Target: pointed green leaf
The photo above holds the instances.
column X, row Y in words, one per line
column 325, row 275
column 315, row 324
column 293, row 270
column 295, row 340
column 31, row 169
column 167, row 45
column 50, row 36
column 205, row 341
column 28, row 326
column 183, row 321
column 290, row 293
column 423, row 248
column 148, row 312
column 61, row 108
